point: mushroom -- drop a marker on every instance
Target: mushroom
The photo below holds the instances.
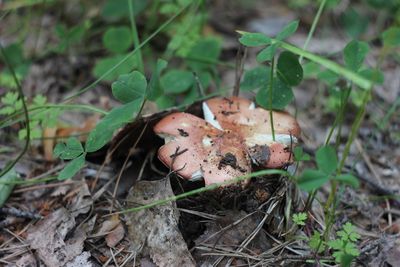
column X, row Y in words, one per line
column 221, row 147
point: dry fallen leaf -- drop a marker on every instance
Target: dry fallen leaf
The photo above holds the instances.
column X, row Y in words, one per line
column 154, row 231
column 49, row 238
column 112, row 229
column 82, row 202
column 115, row 236
column 27, row 260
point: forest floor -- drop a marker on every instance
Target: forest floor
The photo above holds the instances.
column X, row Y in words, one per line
column 78, row 222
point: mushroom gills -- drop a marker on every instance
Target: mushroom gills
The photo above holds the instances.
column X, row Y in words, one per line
column 267, row 139
column 197, row 175
column 167, row 137
column 210, row 117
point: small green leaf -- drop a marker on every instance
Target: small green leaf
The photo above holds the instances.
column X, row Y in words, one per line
column 6, row 189
column 282, row 95
column 299, row 218
column 329, row 77
column 117, row 9
column 351, row 249
column 348, row 179
column 74, row 144
column 177, row 81
column 72, row 168
column 165, row 101
column 39, row 100
column 349, row 228
column 14, row 54
column 129, row 87
column 326, row 159
column 255, row 78
column 103, row 65
column 288, row 30
column 299, row 154
column 311, row 69
column 354, row 23
column 204, row 78
column 117, row 39
column 374, row 75
column 254, row 39
column 154, row 89
column 289, row 68
column 117, row 117
column 267, row 53
column 70, row 150
column 315, row 241
column 391, row 37
column 336, row 244
column 354, row 54
column 59, row 149
column 312, row 179
column 204, row 54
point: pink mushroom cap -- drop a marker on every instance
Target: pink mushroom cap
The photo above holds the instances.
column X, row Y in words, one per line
column 194, row 149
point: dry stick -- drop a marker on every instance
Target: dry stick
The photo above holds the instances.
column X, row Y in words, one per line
column 26, row 189
column 199, row 85
column 124, row 165
column 20, row 213
column 240, row 58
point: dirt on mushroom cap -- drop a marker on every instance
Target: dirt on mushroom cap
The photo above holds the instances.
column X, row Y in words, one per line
column 202, row 150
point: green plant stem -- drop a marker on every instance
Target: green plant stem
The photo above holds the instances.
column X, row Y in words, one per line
column 271, row 82
column 342, row 111
column 135, row 36
column 97, row 81
column 203, row 189
column 10, row 165
column 388, row 114
column 330, row 65
column 338, row 121
column 313, row 27
column 152, row 19
column 4, row 123
column 29, row 181
column 354, row 130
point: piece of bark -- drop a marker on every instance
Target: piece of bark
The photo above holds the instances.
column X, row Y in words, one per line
column 154, row 232
column 49, row 238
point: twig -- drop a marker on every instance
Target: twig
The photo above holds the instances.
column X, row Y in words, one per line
column 125, row 164
column 199, row 85
column 20, row 213
column 240, row 57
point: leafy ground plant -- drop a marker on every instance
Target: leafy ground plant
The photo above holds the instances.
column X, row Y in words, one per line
column 344, row 248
